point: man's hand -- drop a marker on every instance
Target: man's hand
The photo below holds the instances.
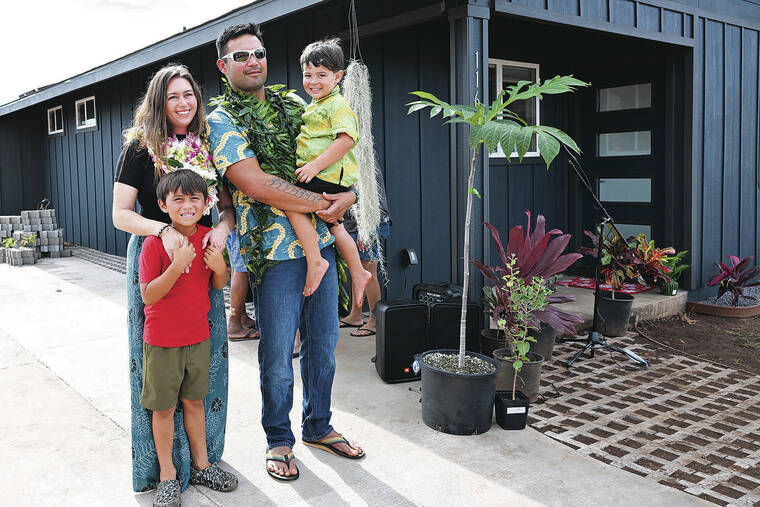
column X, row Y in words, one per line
column 340, row 204
column 306, row 172
column 213, row 258
column 362, row 246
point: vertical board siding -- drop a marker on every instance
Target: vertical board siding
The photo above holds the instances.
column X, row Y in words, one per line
column 402, row 156
column 435, row 192
column 672, row 23
column 648, row 17
column 564, row 6
column 748, row 158
column 732, row 115
column 623, row 12
column 595, row 9
column 712, row 146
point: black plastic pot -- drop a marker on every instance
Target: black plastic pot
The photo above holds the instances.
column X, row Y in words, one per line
column 455, row 403
column 529, row 377
column 511, row 414
column 544, row 345
column 492, row 339
column 613, row 314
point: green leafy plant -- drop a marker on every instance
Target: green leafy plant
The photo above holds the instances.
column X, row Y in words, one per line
column 9, row 243
column 496, row 125
column 525, row 299
column 676, row 265
column 29, row 239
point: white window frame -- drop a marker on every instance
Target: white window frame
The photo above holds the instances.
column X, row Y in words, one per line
column 52, row 130
column 94, row 111
column 499, row 74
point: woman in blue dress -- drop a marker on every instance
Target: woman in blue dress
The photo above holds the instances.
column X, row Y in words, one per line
column 168, row 126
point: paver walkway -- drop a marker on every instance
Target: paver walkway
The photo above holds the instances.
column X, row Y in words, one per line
column 684, row 423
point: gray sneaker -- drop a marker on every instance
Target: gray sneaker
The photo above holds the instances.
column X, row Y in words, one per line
column 213, row 477
column 167, row 494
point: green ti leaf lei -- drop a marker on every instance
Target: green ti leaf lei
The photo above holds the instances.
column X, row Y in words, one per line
column 271, row 128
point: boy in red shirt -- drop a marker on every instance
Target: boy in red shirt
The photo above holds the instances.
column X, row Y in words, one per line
column 176, row 348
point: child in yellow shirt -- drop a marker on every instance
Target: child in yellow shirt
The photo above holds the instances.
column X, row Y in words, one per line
column 325, row 160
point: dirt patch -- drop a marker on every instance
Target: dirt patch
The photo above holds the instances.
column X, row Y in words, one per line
column 732, row 342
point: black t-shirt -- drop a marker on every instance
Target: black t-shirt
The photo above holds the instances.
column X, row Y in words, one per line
column 135, row 168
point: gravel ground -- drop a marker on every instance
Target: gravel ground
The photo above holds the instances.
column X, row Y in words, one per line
column 727, row 298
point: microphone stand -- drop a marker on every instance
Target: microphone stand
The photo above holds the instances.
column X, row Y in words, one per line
column 595, row 340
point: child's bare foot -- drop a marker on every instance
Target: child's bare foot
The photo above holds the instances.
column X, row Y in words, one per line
column 359, row 283
column 314, row 274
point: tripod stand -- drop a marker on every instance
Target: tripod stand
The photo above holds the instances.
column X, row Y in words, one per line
column 595, row 340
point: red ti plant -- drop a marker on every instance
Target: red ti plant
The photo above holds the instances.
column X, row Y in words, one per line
column 539, row 253
column 736, row 277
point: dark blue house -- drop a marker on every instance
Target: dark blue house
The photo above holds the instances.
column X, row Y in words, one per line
column 670, row 129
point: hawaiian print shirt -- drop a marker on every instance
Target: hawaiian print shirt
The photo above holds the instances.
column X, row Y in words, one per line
column 323, row 120
column 228, row 146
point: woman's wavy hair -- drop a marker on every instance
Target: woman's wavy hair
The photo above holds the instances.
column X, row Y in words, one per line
column 151, row 113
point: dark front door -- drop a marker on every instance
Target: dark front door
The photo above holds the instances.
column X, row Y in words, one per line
column 622, row 135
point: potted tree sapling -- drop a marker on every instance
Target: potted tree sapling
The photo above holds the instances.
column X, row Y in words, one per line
column 523, row 298
column 458, row 388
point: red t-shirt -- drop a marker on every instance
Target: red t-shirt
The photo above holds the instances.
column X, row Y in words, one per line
column 179, row 318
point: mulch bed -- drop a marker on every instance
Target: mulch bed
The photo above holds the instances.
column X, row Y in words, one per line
column 687, row 423
column 732, row 342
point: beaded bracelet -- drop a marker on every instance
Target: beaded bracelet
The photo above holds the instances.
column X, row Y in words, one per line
column 161, row 231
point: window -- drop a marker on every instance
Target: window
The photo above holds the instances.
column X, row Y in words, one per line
column 625, row 144
column 505, row 73
column 85, row 109
column 625, row 97
column 55, row 120
column 625, row 190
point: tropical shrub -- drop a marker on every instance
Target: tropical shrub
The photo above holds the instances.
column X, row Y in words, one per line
column 735, row 277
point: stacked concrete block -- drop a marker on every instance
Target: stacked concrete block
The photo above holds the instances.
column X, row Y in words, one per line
column 20, row 256
column 52, row 242
column 8, row 224
column 39, row 220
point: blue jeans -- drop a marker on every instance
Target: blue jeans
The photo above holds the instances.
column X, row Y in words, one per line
column 281, row 308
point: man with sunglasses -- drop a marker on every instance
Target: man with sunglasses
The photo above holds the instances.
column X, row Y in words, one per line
column 281, row 308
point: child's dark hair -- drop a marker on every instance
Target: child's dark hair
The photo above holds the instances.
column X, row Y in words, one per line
column 324, row 52
column 182, row 179
column 233, row 32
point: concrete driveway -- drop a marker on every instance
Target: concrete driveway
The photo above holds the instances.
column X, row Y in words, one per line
column 65, row 429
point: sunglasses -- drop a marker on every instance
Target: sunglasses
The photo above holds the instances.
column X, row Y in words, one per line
column 243, row 55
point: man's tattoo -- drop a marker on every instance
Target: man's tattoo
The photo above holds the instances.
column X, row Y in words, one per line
column 287, row 188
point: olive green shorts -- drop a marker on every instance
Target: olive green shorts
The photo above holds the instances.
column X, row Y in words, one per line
column 170, row 373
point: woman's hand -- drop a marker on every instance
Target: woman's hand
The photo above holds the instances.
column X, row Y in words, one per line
column 217, row 236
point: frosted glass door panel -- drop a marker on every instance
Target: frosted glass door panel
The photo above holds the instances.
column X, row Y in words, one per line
column 625, row 97
column 625, row 144
column 628, row 230
column 625, row 189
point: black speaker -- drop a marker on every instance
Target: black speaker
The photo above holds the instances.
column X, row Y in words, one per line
column 401, row 334
column 443, row 332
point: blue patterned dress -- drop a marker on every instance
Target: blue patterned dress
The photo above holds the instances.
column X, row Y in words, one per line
column 144, row 460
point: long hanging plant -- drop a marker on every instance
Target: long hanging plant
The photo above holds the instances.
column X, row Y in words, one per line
column 493, row 126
